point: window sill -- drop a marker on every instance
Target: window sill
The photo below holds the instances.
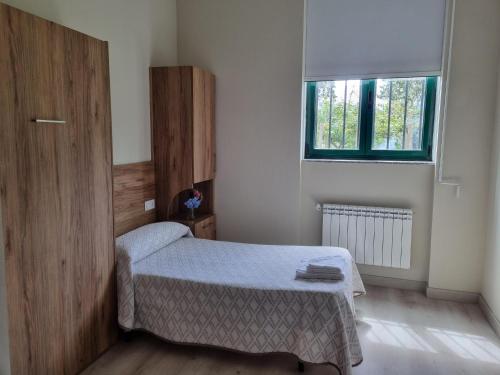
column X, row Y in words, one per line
column 362, row 161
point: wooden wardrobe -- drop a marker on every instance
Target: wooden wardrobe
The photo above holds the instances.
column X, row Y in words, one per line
column 56, row 194
column 183, row 128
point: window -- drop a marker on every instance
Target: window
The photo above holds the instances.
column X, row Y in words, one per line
column 381, row 119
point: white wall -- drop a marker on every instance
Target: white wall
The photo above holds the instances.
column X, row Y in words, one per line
column 372, row 184
column 459, row 225
column 4, row 327
column 491, row 277
column 254, row 48
column 140, row 34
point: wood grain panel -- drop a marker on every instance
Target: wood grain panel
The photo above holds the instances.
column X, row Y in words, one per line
column 133, row 185
column 56, row 195
column 172, row 117
column 183, row 128
column 203, row 125
column 206, row 228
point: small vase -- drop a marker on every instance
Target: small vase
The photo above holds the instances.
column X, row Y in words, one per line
column 191, row 213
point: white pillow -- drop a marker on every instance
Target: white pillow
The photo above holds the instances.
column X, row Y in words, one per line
column 148, row 239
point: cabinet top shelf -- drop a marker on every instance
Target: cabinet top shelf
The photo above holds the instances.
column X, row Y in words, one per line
column 183, row 219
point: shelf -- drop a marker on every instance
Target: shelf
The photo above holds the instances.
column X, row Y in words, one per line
column 183, row 219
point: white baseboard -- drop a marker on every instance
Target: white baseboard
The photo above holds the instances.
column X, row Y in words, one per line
column 391, row 282
column 452, row 295
column 489, row 314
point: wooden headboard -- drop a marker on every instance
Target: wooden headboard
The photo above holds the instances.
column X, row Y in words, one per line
column 133, row 184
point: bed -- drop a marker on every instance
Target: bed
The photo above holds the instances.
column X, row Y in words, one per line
column 237, row 296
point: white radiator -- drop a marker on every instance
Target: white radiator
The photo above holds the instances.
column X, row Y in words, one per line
column 373, row 235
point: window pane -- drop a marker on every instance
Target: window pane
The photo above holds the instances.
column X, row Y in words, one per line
column 398, row 111
column 337, row 115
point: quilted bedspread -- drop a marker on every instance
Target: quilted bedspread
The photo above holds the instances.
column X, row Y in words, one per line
column 242, row 297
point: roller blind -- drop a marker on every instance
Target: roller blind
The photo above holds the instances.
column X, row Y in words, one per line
column 373, row 38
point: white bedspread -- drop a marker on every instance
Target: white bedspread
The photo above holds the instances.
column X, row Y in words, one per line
column 243, row 297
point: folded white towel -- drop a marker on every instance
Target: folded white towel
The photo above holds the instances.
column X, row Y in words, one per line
column 325, row 268
column 332, row 264
column 303, row 274
column 311, row 268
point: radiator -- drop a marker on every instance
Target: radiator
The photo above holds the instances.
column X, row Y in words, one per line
column 373, row 235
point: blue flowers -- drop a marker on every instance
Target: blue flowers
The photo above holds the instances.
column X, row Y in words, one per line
column 194, row 200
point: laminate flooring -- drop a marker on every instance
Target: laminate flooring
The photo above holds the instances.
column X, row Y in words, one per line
column 401, row 332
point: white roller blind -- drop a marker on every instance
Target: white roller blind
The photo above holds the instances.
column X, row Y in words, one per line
column 373, row 38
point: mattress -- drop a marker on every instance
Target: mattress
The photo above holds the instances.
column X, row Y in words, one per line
column 243, row 297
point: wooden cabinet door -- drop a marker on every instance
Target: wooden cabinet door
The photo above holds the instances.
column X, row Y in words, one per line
column 203, row 125
column 205, row 229
column 55, row 191
column 172, row 116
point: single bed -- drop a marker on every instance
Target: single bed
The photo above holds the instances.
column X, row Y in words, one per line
column 238, row 296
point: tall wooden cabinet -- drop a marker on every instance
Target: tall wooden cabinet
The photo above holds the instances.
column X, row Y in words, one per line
column 183, row 127
column 55, row 195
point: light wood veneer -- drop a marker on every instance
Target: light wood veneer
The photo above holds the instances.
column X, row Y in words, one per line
column 183, row 128
column 56, row 195
column 134, row 184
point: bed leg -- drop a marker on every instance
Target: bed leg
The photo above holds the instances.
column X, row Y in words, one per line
column 300, row 366
column 126, row 336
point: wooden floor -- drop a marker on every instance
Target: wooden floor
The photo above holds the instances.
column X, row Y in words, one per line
column 401, row 332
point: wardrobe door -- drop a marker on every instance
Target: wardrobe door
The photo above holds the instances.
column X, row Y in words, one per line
column 87, row 240
column 55, row 187
column 171, row 119
column 203, row 125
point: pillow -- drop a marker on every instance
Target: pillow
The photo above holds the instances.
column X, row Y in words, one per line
column 148, row 239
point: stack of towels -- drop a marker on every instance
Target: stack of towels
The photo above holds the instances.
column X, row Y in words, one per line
column 325, row 268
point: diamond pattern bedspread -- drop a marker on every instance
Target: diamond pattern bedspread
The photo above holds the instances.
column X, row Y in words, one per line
column 242, row 297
